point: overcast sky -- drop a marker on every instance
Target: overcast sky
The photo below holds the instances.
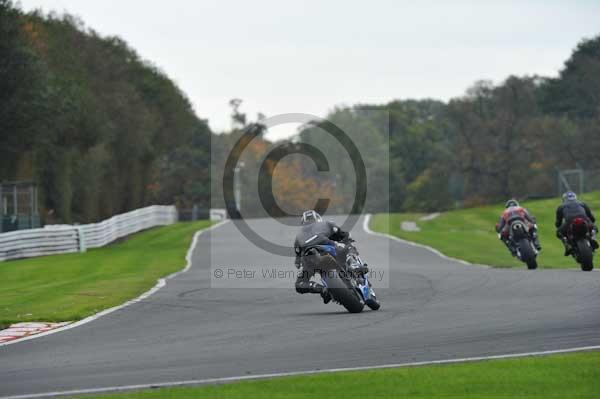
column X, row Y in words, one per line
column 308, row 56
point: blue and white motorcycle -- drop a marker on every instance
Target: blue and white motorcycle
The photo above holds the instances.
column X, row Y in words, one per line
column 349, row 289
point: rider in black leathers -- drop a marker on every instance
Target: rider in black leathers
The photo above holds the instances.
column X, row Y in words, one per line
column 571, row 209
column 313, row 227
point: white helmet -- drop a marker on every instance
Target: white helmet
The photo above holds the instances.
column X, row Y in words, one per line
column 309, row 217
column 569, row 196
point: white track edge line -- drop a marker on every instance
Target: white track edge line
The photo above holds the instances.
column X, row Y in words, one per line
column 296, row 373
column 368, row 230
column 159, row 284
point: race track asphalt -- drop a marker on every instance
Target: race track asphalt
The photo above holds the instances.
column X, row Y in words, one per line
column 196, row 327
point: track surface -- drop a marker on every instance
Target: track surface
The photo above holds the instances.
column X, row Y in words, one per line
column 434, row 309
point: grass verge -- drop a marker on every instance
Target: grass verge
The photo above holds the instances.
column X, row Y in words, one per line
column 562, row 376
column 469, row 234
column 74, row 286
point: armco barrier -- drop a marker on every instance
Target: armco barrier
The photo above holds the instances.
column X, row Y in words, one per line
column 60, row 239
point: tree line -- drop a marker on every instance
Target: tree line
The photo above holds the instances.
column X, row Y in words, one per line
column 103, row 131
column 99, row 129
column 495, row 142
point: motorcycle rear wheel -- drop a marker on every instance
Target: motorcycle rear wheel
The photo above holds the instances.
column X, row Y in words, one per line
column 586, row 255
column 528, row 254
column 346, row 296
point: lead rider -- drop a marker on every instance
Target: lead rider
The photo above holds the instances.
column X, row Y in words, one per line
column 571, row 209
column 314, row 227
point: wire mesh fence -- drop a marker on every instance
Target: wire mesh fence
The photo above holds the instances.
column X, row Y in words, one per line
column 578, row 180
column 18, row 206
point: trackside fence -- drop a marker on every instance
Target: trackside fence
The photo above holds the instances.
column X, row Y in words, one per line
column 60, row 239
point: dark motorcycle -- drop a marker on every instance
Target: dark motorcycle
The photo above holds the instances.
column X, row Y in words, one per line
column 349, row 289
column 579, row 236
column 521, row 244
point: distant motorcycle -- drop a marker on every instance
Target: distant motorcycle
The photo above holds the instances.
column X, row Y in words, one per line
column 521, row 244
column 349, row 289
column 579, row 236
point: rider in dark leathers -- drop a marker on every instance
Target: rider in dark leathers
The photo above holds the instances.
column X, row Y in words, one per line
column 313, row 228
column 569, row 210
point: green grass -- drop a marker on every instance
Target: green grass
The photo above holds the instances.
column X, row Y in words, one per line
column 73, row 286
column 469, row 234
column 565, row 376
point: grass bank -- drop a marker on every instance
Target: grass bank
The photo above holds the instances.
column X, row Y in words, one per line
column 469, row 234
column 74, row 286
column 565, row 376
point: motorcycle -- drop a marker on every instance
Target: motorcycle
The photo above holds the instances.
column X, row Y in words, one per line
column 521, row 244
column 580, row 236
column 347, row 288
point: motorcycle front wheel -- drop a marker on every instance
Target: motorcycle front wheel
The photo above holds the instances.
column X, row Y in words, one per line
column 373, row 303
